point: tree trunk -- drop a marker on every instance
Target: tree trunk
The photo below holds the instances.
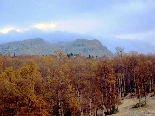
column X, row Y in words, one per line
column 81, row 111
column 103, row 114
column 145, row 98
column 79, row 100
column 144, row 90
column 60, row 104
column 120, row 95
column 119, row 89
column 17, row 110
column 59, row 108
column 134, row 82
column 124, row 85
column 139, row 99
column 107, row 111
column 62, row 112
column 150, row 86
column 152, row 81
column 116, row 103
column 95, row 112
column 90, row 107
column 139, row 95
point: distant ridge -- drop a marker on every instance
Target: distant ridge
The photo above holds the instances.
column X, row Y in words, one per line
column 88, row 47
column 40, row 47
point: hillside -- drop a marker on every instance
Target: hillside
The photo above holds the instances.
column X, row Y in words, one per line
column 31, row 46
column 88, row 47
column 40, row 47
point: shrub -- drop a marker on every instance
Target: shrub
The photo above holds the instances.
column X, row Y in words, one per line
column 152, row 95
column 114, row 110
column 142, row 96
column 132, row 95
column 119, row 103
column 136, row 106
column 142, row 105
column 125, row 94
column 152, row 89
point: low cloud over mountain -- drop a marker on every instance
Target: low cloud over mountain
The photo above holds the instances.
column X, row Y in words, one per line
column 56, row 37
column 40, row 47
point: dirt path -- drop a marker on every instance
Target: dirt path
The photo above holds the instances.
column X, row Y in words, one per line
column 125, row 109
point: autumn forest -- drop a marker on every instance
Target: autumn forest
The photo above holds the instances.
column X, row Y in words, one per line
column 65, row 85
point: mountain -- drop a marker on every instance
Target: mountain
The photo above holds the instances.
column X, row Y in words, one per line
column 41, row 47
column 87, row 47
column 31, row 46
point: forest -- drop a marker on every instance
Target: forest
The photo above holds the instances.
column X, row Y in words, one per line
column 65, row 85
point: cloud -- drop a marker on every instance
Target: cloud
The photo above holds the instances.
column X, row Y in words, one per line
column 81, row 26
column 72, row 26
column 18, row 30
column 45, row 27
column 142, row 46
column 6, row 30
column 134, row 6
column 147, row 35
column 78, row 26
column 123, row 17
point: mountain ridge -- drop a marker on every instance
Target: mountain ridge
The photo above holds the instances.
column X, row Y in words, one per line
column 40, row 47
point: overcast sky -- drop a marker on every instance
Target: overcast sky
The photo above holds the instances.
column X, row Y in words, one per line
column 125, row 23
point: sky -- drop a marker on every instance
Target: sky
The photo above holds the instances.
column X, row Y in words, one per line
column 129, row 24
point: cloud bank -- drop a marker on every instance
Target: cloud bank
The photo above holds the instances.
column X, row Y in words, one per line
column 142, row 46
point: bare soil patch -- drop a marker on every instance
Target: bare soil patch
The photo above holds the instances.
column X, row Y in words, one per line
column 125, row 109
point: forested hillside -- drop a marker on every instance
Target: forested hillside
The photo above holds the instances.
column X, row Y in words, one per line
column 31, row 46
column 87, row 47
column 59, row 85
column 40, row 47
